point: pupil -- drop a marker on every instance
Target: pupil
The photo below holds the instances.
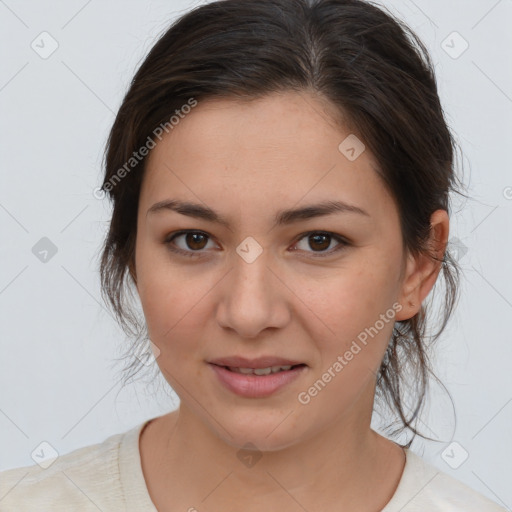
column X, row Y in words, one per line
column 192, row 239
column 317, row 237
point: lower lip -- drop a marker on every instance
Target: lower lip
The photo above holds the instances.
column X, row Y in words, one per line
column 256, row 386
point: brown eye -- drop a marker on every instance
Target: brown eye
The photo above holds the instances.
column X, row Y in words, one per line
column 318, row 242
column 191, row 243
column 195, row 241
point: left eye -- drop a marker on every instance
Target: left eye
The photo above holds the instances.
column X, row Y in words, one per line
column 321, row 240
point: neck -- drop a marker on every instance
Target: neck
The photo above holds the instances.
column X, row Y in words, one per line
column 185, row 463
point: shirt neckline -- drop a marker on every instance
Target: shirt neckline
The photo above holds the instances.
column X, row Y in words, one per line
column 137, row 494
column 135, row 490
column 416, row 475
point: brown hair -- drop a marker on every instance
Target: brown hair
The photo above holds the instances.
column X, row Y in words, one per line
column 367, row 64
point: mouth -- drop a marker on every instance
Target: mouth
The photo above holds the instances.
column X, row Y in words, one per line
column 261, row 382
column 261, row 371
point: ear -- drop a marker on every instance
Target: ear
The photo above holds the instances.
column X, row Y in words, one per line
column 421, row 271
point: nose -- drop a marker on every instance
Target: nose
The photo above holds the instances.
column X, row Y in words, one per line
column 253, row 298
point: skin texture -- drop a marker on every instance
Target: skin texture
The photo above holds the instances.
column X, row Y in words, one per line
column 247, row 161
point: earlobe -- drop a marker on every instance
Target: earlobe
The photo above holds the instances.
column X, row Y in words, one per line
column 423, row 269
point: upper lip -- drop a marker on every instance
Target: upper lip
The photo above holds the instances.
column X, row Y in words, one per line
column 259, row 362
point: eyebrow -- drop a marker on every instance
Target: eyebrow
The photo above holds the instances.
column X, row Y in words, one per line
column 282, row 217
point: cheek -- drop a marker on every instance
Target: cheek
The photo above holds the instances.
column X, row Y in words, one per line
column 357, row 322
column 173, row 297
column 355, row 306
column 159, row 289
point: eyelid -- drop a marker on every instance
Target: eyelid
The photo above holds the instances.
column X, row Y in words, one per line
column 342, row 242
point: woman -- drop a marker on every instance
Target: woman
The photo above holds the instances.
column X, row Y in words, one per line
column 280, row 172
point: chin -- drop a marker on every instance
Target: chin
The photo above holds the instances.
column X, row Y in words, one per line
column 270, row 431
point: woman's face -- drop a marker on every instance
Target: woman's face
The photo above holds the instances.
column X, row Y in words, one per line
column 267, row 282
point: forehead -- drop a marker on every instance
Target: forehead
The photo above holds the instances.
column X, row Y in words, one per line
column 272, row 151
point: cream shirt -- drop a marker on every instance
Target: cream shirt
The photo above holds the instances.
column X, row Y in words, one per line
column 108, row 477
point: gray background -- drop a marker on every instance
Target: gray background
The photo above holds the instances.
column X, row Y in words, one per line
column 58, row 381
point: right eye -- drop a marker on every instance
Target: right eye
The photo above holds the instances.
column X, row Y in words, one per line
column 192, row 242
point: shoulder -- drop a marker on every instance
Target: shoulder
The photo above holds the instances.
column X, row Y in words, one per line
column 84, row 479
column 425, row 487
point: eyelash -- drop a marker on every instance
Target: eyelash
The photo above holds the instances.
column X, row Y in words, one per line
column 343, row 243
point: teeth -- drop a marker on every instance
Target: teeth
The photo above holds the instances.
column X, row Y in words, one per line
column 263, row 371
column 260, row 371
column 242, row 370
column 277, row 368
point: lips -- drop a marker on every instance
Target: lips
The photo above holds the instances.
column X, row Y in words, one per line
column 259, row 362
column 256, row 386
